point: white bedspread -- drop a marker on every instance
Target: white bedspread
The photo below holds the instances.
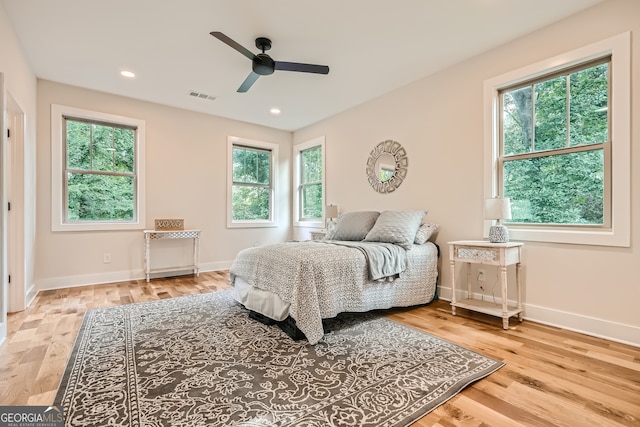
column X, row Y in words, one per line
column 320, row 280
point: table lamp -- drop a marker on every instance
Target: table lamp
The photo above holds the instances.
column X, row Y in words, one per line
column 498, row 208
column 331, row 213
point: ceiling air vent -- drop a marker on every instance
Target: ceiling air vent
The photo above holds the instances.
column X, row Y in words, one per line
column 201, row 95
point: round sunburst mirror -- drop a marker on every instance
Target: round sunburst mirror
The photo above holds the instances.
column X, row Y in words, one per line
column 387, row 166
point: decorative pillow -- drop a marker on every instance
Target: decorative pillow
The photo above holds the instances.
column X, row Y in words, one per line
column 353, row 225
column 399, row 227
column 425, row 231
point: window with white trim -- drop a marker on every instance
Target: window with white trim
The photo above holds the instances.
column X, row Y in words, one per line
column 251, row 173
column 97, row 170
column 309, row 182
column 559, row 146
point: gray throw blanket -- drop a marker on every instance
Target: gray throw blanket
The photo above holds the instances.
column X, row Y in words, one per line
column 385, row 260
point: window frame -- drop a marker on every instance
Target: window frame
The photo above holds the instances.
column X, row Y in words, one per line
column 259, row 145
column 297, row 183
column 618, row 231
column 59, row 222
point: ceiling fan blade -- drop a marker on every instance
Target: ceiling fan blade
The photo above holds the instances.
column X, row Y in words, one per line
column 304, row 68
column 230, row 42
column 248, row 82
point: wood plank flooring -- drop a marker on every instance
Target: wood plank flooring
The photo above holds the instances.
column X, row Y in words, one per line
column 553, row 377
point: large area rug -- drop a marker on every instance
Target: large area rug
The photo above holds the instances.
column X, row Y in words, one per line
column 201, row 361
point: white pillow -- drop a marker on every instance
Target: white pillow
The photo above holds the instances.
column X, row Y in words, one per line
column 353, row 225
column 425, row 231
column 399, row 227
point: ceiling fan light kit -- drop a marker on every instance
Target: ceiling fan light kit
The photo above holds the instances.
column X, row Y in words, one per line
column 262, row 64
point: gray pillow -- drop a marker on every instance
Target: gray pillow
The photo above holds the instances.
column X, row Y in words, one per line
column 353, row 225
column 425, row 231
column 399, row 227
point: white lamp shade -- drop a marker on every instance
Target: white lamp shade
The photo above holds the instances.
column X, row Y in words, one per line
column 331, row 211
column 497, row 208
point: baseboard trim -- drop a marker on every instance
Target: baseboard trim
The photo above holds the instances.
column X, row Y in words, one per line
column 115, row 276
column 587, row 325
column 600, row 328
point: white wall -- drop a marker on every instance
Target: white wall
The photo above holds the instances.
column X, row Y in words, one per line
column 186, row 156
column 439, row 120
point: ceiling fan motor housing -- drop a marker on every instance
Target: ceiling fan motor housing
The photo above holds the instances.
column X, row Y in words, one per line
column 263, row 64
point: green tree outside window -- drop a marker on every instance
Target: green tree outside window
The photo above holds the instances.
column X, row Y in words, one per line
column 252, row 184
column 555, row 133
column 100, row 172
column 311, row 184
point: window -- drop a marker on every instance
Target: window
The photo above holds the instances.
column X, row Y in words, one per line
column 554, row 145
column 97, row 171
column 252, row 176
column 558, row 146
column 309, row 183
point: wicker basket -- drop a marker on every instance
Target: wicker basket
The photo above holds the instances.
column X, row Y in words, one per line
column 169, row 224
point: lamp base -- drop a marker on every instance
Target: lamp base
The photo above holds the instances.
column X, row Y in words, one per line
column 498, row 234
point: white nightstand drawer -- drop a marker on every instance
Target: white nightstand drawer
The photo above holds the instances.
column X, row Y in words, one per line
column 475, row 254
column 318, row 235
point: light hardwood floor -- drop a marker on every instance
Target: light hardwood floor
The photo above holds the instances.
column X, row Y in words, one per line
column 552, row 377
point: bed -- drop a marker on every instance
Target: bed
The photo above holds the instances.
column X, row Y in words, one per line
column 369, row 261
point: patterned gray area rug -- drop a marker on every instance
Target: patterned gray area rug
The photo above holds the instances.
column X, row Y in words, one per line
column 201, row 361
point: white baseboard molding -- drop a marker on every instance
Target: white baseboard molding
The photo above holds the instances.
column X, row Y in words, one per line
column 32, row 293
column 587, row 325
column 115, row 276
column 601, row 328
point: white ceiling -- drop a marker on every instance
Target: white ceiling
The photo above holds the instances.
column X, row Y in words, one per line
column 371, row 46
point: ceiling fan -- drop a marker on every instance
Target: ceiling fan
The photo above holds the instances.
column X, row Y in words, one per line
column 262, row 64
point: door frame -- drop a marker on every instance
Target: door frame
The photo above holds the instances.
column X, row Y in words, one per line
column 4, row 294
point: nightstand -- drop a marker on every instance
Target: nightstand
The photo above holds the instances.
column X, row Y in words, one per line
column 318, row 235
column 501, row 255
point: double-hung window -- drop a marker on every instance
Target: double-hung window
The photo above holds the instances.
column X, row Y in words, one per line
column 97, row 164
column 555, row 148
column 558, row 146
column 309, row 173
column 252, row 176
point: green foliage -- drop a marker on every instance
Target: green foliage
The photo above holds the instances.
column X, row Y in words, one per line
column 251, row 190
column 311, row 183
column 95, row 197
column 100, row 172
column 546, row 184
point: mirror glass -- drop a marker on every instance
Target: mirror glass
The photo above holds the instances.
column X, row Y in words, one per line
column 387, row 166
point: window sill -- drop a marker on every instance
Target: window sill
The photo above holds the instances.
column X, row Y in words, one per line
column 309, row 224
column 600, row 237
column 98, row 226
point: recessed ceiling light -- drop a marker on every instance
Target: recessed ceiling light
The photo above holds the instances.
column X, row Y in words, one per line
column 127, row 73
column 275, row 111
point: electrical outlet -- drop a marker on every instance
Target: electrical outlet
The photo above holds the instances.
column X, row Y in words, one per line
column 106, row 258
column 481, row 277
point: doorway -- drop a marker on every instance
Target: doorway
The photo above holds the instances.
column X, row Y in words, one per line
column 14, row 174
column 3, row 223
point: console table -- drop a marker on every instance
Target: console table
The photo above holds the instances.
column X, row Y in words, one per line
column 484, row 252
column 150, row 235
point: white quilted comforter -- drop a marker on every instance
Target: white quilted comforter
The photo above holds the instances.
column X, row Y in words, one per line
column 320, row 280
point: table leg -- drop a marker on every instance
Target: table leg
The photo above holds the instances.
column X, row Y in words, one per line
column 505, row 308
column 468, row 267
column 196, row 248
column 147, row 256
column 452, row 267
column 519, row 286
